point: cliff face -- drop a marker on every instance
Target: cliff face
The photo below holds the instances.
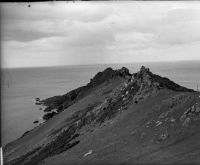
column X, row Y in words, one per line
column 116, row 106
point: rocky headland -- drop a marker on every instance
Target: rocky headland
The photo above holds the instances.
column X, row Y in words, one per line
column 117, row 118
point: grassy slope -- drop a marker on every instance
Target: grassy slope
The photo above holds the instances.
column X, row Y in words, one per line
column 40, row 135
column 126, row 140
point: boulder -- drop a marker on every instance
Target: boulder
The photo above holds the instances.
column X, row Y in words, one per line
column 186, row 122
column 36, row 121
column 47, row 116
column 163, row 137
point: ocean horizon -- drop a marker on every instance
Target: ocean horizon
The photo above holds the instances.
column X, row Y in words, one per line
column 20, row 86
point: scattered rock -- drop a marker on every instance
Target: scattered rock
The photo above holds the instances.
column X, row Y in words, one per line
column 192, row 113
column 38, row 101
column 148, row 124
column 183, row 117
column 166, row 119
column 125, row 85
column 158, row 123
column 88, row 153
column 47, row 116
column 163, row 137
column 163, row 115
column 197, row 108
column 172, row 120
column 186, row 122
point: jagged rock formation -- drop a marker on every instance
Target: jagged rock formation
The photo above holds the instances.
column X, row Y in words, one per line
column 62, row 102
column 144, row 80
column 142, row 105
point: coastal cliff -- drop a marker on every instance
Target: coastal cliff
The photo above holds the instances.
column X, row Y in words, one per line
column 117, row 118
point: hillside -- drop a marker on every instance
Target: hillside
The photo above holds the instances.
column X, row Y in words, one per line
column 117, row 118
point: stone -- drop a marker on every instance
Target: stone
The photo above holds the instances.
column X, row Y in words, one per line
column 193, row 109
column 197, row 109
column 163, row 137
column 126, row 92
column 158, row 123
column 88, row 153
column 148, row 124
column 172, row 120
column 36, row 121
column 162, row 115
column 183, row 117
column 186, row 122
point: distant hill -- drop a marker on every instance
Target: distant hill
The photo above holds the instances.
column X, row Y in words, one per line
column 117, row 118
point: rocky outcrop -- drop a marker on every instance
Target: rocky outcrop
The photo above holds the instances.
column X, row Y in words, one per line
column 49, row 115
column 144, row 81
column 191, row 114
column 145, row 77
column 132, row 90
column 59, row 103
column 37, row 101
column 101, row 77
column 124, row 72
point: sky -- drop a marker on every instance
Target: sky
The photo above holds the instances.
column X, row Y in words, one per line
column 67, row 33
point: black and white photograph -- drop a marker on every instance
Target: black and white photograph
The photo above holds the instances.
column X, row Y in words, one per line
column 100, row 82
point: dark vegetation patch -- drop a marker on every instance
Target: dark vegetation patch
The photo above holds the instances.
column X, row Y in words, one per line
column 61, row 102
column 47, row 116
column 75, row 117
column 22, row 158
column 48, row 109
column 63, row 142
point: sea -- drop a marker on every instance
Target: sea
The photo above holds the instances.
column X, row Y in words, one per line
column 20, row 87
